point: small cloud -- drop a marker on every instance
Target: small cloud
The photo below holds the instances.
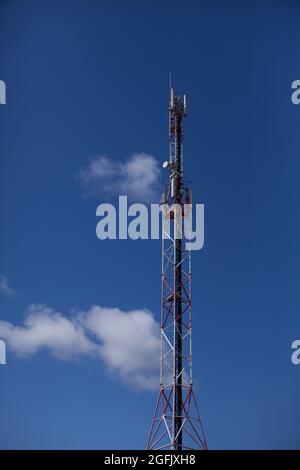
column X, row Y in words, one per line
column 126, row 342
column 137, row 177
column 45, row 328
column 130, row 343
column 5, row 287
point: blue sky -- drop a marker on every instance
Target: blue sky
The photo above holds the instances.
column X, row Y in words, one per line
column 91, row 78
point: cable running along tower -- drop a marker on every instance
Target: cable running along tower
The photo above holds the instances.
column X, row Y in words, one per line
column 176, row 423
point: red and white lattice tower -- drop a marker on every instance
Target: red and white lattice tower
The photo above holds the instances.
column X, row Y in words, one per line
column 176, row 423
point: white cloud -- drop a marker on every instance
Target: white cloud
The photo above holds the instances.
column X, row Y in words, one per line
column 5, row 287
column 46, row 329
column 137, row 177
column 127, row 342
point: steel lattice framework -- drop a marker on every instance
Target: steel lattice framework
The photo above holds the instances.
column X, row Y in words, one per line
column 176, row 423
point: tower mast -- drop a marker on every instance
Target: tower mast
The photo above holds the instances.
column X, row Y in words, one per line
column 176, row 423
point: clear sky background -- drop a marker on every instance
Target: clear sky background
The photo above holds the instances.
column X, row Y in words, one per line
column 87, row 78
